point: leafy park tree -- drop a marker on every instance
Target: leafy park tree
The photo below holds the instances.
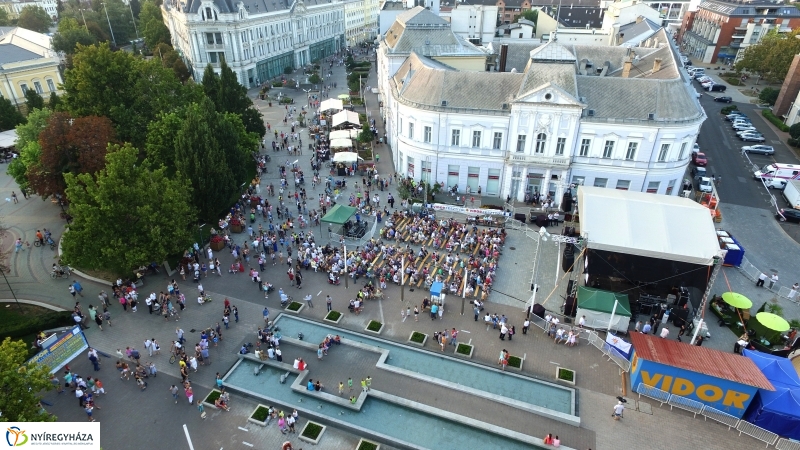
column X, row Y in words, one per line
column 120, row 16
column 35, row 18
column 70, row 34
column 22, row 385
column 531, row 14
column 772, row 56
column 152, row 25
column 4, row 20
column 69, row 145
column 131, row 213
column 366, row 135
column 171, row 59
column 54, row 101
column 33, row 100
column 10, row 116
column 209, row 148
column 769, row 95
column 230, row 96
column 30, row 151
column 314, row 78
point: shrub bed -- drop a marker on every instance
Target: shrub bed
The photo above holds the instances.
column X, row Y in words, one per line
column 312, row 430
column 417, row 337
column 333, row 316
column 294, row 306
column 464, row 349
column 515, row 361
column 775, row 120
column 374, row 325
column 261, row 413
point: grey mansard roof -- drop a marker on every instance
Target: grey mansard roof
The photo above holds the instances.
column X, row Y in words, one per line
column 252, row 6
column 421, row 31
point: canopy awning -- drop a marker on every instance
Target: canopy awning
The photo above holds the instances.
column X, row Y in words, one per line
column 339, row 143
column 343, row 134
column 8, row 138
column 331, row 104
column 656, row 226
column 344, row 117
column 603, row 301
column 346, row 157
column 339, row 214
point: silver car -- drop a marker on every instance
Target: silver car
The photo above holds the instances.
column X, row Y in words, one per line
column 760, row 149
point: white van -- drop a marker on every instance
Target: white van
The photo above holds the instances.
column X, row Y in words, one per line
column 785, row 171
column 698, row 72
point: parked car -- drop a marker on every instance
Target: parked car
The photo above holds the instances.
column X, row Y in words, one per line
column 788, row 215
column 718, row 88
column 705, row 184
column 742, row 125
column 733, row 116
column 752, row 137
column 760, row 149
column 723, row 99
column 696, row 147
column 699, row 159
column 698, row 172
column 744, row 130
column 704, row 79
column 776, row 183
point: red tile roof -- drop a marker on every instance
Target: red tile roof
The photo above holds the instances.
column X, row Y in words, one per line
column 728, row 366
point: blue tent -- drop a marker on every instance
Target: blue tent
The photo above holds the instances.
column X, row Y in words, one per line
column 779, row 410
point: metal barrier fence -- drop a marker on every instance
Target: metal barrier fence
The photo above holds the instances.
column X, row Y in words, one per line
column 786, row 444
column 611, row 352
column 752, row 272
column 749, row 270
column 706, row 411
column 756, row 432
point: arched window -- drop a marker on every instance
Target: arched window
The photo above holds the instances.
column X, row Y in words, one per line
column 541, row 142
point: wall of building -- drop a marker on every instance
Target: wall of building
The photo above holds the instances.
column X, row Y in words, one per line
column 474, row 23
column 41, row 75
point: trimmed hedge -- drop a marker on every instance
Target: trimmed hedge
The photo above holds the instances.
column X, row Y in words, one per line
column 333, row 315
column 294, row 306
column 312, row 430
column 417, row 337
column 775, row 120
column 34, row 324
column 729, row 109
column 374, row 325
column 260, row 414
column 514, row 361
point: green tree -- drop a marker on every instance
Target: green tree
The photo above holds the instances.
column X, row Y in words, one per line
column 30, row 152
column 209, row 148
column 769, row 95
column 70, row 34
column 230, row 96
column 531, row 15
column 22, row 385
column 171, row 59
column 314, row 78
column 54, row 102
column 152, row 25
column 794, row 131
column 120, row 16
column 4, row 20
column 9, row 115
column 33, row 100
column 772, row 56
column 132, row 213
column 365, row 137
column 35, row 18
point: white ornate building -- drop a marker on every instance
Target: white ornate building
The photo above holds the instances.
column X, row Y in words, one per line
column 603, row 116
column 257, row 38
column 360, row 21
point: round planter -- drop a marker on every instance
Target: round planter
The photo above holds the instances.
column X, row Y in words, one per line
column 217, row 246
column 471, row 350
column 308, row 439
column 419, row 344
column 338, row 319
column 260, row 423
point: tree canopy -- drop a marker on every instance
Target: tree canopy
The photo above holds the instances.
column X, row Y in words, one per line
column 22, row 385
column 10, row 116
column 772, row 56
column 28, row 146
column 33, row 100
column 211, row 149
column 70, row 34
column 531, row 14
column 35, row 18
column 4, row 20
column 228, row 95
column 68, row 145
column 130, row 214
column 152, row 25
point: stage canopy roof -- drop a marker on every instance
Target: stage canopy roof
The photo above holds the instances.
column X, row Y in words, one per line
column 339, row 143
column 651, row 225
column 331, row 103
column 343, row 134
column 346, row 157
column 345, row 117
column 339, row 214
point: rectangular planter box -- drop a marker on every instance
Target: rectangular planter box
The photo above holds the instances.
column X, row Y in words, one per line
column 302, row 305
column 374, row 332
column 326, row 319
column 217, row 246
column 521, row 363
column 210, row 405
column 362, row 440
column 256, row 421
column 471, row 350
column 419, row 344
column 558, row 369
column 309, row 440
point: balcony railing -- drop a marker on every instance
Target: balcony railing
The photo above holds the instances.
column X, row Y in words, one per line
column 539, row 159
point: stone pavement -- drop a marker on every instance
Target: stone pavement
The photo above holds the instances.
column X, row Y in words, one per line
column 598, row 381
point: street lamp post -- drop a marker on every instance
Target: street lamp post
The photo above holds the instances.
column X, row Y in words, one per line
column 344, row 246
column 133, row 19
column 543, row 235
column 3, row 271
column 200, row 234
column 109, row 25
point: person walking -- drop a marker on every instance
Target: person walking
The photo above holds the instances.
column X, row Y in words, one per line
column 453, row 337
column 329, row 302
column 78, row 287
column 619, row 408
column 762, row 277
column 525, row 326
column 350, row 384
column 174, row 391
column 773, row 279
column 189, row 394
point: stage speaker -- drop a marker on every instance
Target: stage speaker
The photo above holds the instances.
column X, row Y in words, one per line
column 570, row 306
column 566, row 202
column 568, row 259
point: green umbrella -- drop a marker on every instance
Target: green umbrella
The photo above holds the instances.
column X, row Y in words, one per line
column 737, row 300
column 773, row 322
column 344, row 96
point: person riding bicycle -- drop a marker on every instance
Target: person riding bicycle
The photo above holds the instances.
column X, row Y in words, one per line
column 58, row 270
column 40, row 237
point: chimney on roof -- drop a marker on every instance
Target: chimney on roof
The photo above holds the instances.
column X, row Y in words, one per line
column 639, row 19
column 656, row 65
column 503, row 57
column 626, row 67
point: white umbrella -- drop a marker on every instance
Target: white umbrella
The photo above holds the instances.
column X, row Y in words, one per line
column 347, row 157
column 339, row 143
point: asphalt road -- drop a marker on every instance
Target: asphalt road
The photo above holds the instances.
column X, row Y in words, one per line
column 723, row 149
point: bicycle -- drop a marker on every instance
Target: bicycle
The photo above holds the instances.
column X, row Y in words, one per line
column 61, row 272
column 172, row 358
column 49, row 242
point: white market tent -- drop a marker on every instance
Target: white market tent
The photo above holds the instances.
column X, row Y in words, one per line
column 340, row 143
column 346, row 157
column 331, row 103
column 344, row 117
column 343, row 134
column 649, row 225
column 8, row 139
